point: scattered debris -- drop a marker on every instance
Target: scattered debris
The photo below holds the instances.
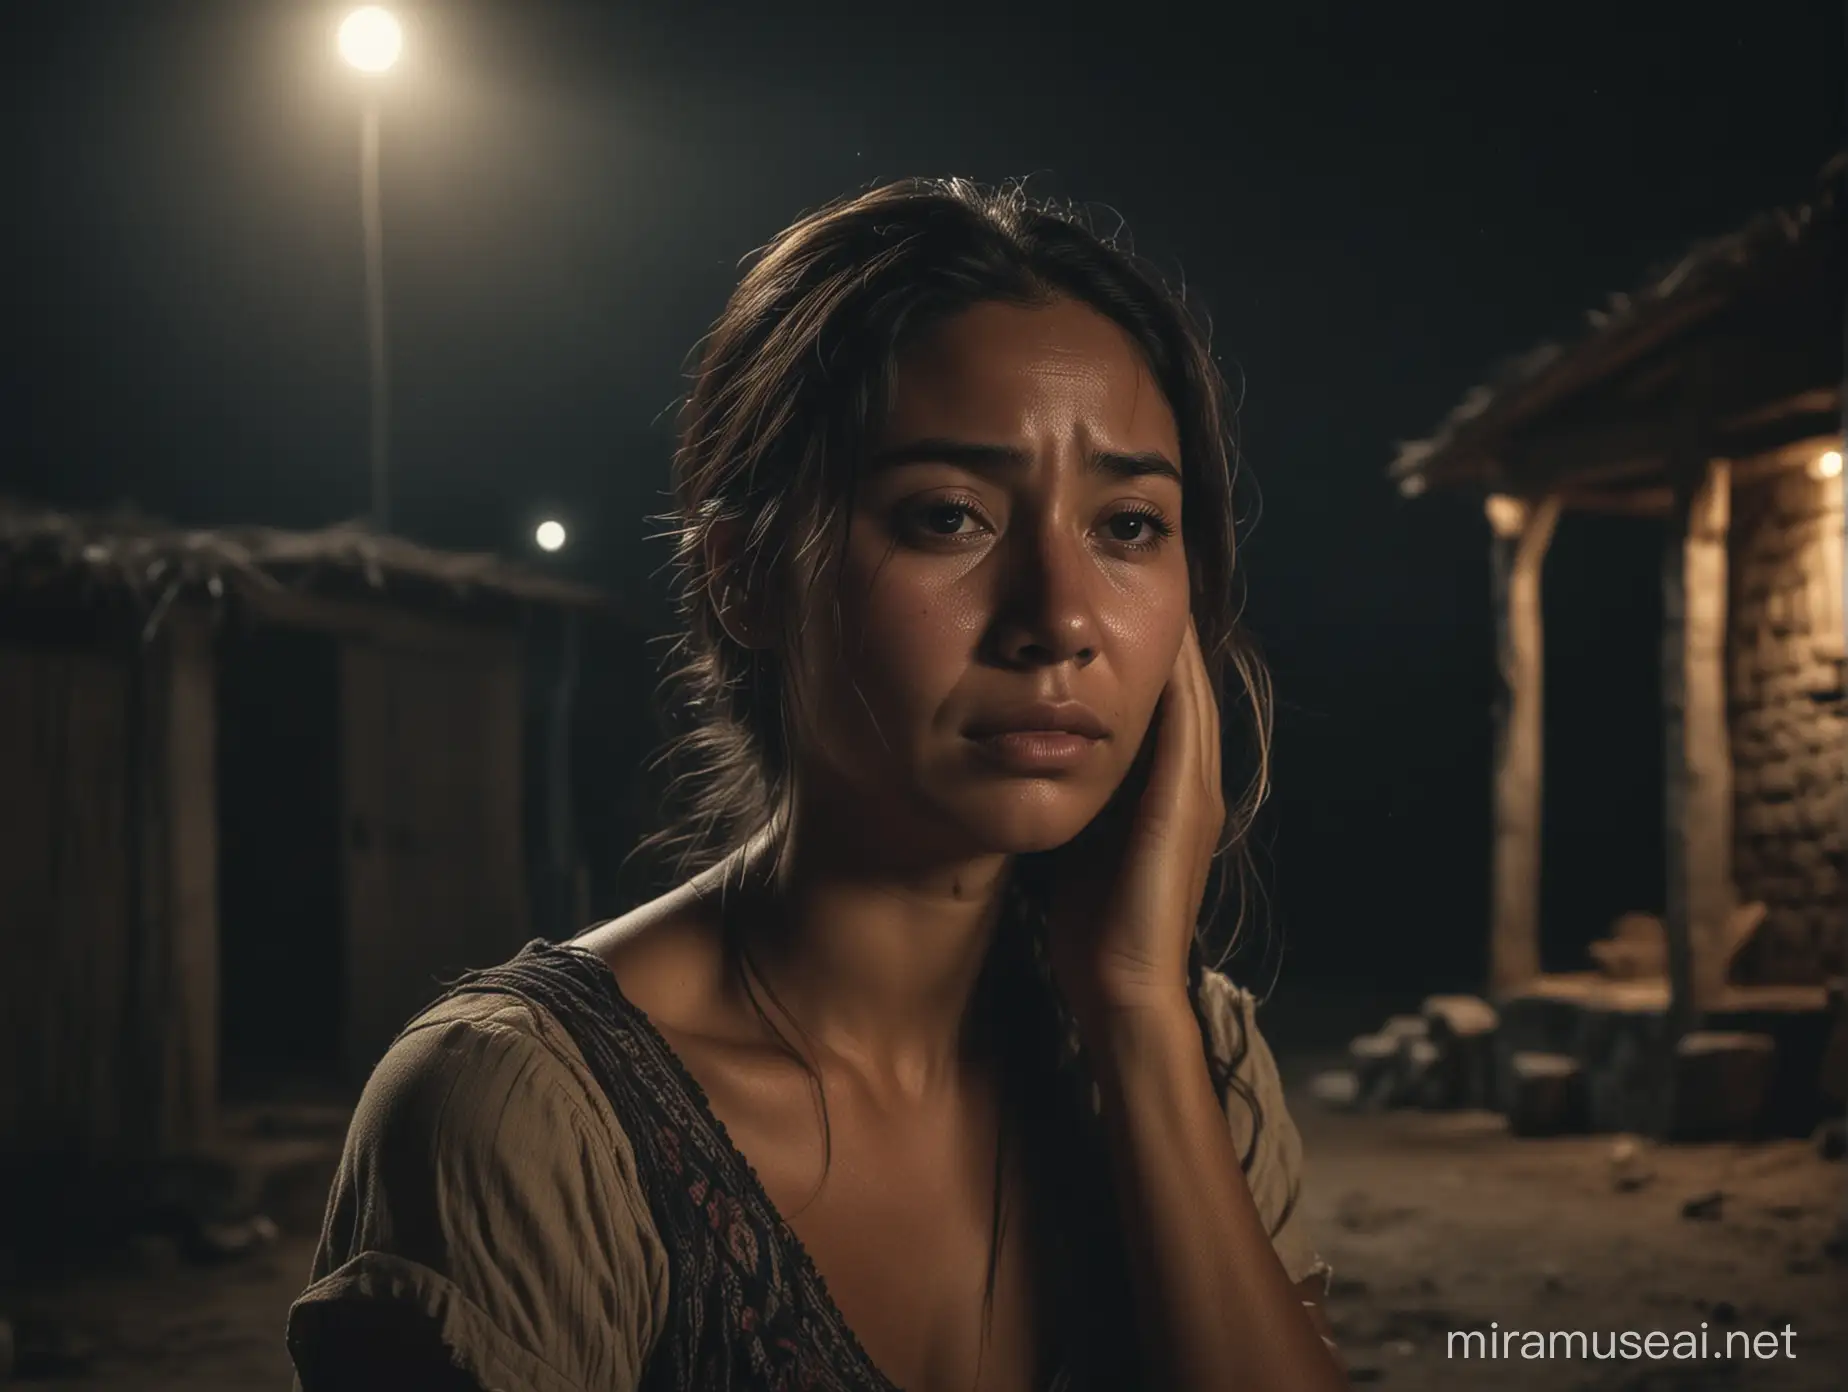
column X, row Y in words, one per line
column 1631, row 1167
column 1420, row 1081
column 1704, row 1206
column 219, row 1242
column 1441, row 1059
column 1548, row 1095
column 1337, row 1089
column 1463, row 1029
column 1722, row 1080
column 1374, row 1057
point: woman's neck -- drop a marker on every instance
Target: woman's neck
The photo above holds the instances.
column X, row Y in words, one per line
column 871, row 958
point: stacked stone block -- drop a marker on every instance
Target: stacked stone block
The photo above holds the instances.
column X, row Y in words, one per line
column 1789, row 723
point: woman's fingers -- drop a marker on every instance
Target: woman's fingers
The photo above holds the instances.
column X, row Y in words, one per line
column 1205, row 713
column 1186, row 761
column 1176, row 741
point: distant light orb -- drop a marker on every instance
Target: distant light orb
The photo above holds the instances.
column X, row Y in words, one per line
column 1830, row 465
column 550, row 535
column 371, row 39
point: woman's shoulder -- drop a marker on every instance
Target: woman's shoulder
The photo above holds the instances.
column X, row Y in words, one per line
column 483, row 1083
column 487, row 1200
column 476, row 1046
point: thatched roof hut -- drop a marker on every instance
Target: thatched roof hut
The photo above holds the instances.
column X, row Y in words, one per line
column 264, row 788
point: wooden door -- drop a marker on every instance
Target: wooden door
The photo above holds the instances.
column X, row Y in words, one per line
column 435, row 880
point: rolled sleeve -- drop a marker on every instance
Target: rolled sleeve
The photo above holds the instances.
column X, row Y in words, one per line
column 1262, row 1126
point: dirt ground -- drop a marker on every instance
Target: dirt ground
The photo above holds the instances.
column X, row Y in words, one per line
column 1432, row 1224
column 1437, row 1223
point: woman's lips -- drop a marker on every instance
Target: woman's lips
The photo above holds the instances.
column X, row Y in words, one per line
column 1035, row 751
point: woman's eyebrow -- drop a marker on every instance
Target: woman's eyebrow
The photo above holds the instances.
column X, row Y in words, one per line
column 989, row 459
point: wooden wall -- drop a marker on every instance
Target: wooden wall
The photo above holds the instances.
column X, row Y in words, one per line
column 433, row 785
column 107, row 894
column 109, row 933
column 436, row 877
column 64, row 896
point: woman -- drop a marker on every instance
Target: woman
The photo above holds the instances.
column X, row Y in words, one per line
column 920, row 1081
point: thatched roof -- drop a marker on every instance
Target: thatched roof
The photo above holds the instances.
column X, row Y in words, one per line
column 1804, row 245
column 156, row 563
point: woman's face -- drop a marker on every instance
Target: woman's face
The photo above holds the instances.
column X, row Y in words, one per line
column 1012, row 594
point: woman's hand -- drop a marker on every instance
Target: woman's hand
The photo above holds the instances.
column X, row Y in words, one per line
column 1127, row 891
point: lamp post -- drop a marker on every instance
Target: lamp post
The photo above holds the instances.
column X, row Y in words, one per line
column 370, row 39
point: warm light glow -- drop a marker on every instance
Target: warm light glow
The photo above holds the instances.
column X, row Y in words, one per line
column 550, row 535
column 1507, row 516
column 1829, row 465
column 370, row 39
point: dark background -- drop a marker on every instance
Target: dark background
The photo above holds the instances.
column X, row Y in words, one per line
column 1376, row 201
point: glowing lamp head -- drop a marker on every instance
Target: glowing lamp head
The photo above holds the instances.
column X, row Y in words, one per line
column 1829, row 464
column 550, row 535
column 371, row 39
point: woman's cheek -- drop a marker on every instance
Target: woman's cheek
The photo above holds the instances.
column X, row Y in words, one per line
column 918, row 640
column 1145, row 632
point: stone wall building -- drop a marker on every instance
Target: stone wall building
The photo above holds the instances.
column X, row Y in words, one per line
column 1711, row 399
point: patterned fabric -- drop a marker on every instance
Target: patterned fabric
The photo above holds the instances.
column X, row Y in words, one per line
column 749, row 1310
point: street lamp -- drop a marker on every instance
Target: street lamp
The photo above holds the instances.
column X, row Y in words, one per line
column 371, row 40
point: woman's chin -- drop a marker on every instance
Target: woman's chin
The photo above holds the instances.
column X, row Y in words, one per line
column 1028, row 826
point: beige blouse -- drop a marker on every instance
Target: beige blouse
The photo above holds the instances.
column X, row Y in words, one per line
column 487, row 1183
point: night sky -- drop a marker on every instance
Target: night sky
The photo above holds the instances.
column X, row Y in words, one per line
column 1377, row 202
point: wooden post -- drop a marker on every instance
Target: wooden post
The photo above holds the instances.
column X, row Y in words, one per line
column 172, row 1105
column 1522, row 533
column 1698, row 763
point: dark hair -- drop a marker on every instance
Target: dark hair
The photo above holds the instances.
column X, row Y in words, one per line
column 788, row 393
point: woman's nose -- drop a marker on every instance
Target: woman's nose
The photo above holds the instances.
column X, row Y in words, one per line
column 1046, row 616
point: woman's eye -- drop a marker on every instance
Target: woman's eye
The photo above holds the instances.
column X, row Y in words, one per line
column 945, row 519
column 1134, row 528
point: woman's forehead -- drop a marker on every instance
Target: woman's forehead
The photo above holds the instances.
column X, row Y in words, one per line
column 1004, row 372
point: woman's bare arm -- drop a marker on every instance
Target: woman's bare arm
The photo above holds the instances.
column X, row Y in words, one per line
column 1215, row 1308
